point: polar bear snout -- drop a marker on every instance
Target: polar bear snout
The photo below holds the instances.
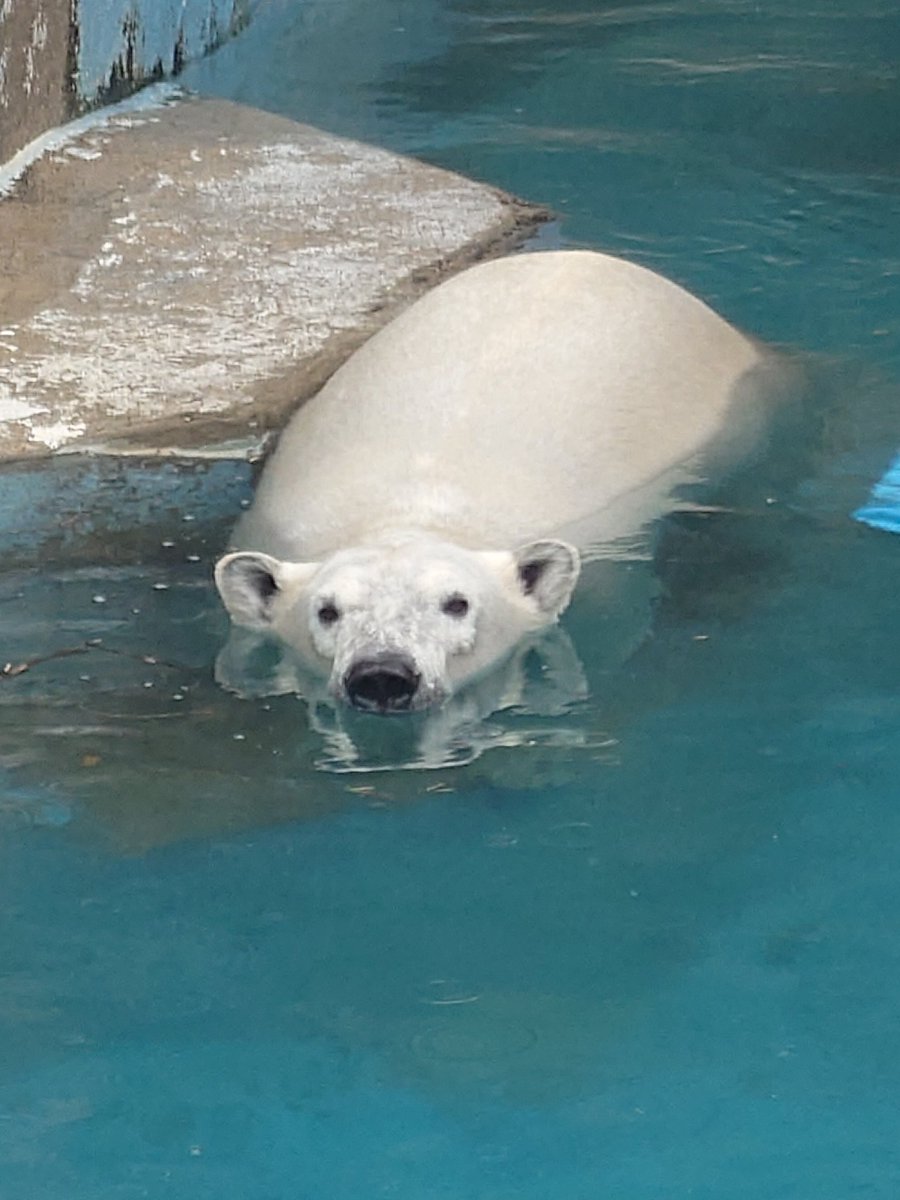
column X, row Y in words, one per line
column 387, row 683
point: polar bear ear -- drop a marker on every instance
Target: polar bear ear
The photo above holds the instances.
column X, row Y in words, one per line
column 250, row 584
column 548, row 571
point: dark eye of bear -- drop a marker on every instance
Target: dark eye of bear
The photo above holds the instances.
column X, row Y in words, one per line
column 328, row 614
column 455, row 605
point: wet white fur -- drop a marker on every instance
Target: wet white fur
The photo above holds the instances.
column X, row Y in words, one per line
column 558, row 395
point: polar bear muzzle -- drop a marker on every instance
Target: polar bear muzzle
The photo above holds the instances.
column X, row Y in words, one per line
column 386, row 683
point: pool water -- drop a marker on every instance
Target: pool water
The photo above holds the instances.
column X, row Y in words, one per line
column 644, row 947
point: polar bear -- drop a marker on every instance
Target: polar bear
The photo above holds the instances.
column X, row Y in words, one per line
column 429, row 508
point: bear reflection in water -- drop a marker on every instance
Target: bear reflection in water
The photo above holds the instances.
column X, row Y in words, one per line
column 424, row 519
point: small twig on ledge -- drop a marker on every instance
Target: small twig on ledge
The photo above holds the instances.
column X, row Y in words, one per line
column 10, row 670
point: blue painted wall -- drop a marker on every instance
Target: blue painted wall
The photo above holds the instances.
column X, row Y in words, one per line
column 124, row 42
column 58, row 57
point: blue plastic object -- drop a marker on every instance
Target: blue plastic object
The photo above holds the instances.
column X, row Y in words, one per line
column 882, row 509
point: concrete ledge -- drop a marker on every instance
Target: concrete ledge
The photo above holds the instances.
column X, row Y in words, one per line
column 184, row 274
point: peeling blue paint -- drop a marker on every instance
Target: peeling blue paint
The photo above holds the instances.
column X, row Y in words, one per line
column 60, row 57
column 124, row 44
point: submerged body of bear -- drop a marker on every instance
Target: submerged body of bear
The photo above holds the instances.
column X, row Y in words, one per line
column 427, row 510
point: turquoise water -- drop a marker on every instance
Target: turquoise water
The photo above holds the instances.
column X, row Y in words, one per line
column 655, row 958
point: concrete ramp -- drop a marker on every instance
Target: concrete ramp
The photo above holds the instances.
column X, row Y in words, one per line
column 180, row 273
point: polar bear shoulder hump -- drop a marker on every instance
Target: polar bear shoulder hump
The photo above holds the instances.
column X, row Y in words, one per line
column 513, row 400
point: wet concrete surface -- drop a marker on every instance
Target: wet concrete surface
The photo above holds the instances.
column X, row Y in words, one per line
column 182, row 272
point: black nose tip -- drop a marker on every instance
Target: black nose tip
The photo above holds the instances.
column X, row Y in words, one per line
column 383, row 685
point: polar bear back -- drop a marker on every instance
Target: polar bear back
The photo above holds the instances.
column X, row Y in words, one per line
column 559, row 392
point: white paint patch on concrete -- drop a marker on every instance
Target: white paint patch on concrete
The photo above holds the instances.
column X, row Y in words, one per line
column 4, row 68
column 36, row 43
column 55, row 139
column 17, row 410
column 39, row 31
column 54, row 434
column 84, row 152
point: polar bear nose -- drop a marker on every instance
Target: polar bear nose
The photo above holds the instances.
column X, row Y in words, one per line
column 385, row 684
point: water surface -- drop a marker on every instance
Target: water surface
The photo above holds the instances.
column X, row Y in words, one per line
column 658, row 960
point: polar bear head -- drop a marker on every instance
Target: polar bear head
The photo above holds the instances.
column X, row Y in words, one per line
column 403, row 623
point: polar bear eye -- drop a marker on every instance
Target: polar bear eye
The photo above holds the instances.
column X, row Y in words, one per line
column 455, row 605
column 328, row 613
